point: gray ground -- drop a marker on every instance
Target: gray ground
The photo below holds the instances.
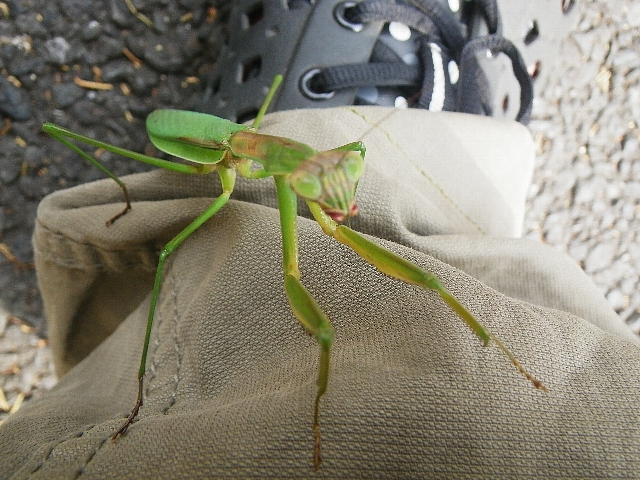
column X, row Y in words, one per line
column 584, row 198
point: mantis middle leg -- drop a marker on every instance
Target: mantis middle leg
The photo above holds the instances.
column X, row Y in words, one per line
column 227, row 178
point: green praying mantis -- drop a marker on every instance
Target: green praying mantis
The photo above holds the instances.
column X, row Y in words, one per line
column 326, row 181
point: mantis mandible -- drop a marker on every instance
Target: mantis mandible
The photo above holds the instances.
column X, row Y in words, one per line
column 327, row 181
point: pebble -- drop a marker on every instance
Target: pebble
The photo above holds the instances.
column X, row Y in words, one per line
column 144, row 80
column 30, row 188
column 66, row 94
column 26, row 133
column 75, row 8
column 34, row 156
column 120, row 17
column 92, row 30
column 10, row 166
column 600, row 257
column 23, row 65
column 626, row 60
column 629, row 285
column 579, row 251
column 109, row 48
column 13, row 101
column 586, row 193
column 59, row 50
column 29, row 24
column 88, row 113
column 617, row 299
column 633, row 14
column 166, row 56
column 632, row 189
column 160, row 22
column 117, row 71
column 584, row 42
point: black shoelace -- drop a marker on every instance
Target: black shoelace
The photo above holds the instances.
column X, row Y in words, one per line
column 442, row 39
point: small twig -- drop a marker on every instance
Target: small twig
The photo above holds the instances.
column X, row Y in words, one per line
column 137, row 63
column 212, row 14
column 143, row 18
column 6, row 127
column 92, row 85
column 4, row 250
column 97, row 73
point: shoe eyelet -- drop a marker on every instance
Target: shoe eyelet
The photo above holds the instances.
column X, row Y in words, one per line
column 306, row 88
column 338, row 13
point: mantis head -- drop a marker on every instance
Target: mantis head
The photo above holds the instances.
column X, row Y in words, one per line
column 330, row 179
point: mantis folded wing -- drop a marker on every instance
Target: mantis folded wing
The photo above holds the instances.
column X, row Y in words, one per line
column 327, row 181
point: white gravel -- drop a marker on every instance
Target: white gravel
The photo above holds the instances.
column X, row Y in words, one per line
column 585, row 197
column 26, row 367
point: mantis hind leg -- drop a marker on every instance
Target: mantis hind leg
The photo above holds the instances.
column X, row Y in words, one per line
column 397, row 267
column 63, row 135
column 227, row 177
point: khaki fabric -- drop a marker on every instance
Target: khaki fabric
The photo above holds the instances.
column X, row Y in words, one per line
column 230, row 380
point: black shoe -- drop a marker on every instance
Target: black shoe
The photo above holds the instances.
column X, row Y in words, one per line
column 335, row 53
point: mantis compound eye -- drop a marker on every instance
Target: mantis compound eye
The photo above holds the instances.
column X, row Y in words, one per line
column 306, row 185
column 353, row 166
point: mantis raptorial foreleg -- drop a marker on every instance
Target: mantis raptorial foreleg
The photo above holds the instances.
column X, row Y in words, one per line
column 305, row 308
column 397, row 267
